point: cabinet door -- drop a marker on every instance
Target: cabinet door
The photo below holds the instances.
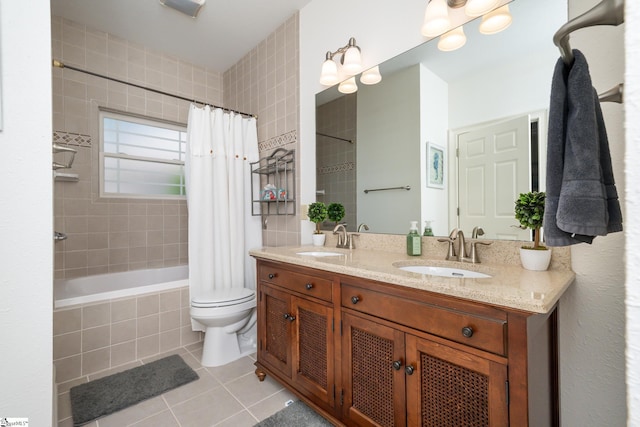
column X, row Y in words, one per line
column 275, row 329
column 374, row 390
column 313, row 355
column 452, row 388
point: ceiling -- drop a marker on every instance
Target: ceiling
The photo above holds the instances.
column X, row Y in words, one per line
column 223, row 32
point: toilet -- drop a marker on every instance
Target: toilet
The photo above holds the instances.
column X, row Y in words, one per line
column 226, row 315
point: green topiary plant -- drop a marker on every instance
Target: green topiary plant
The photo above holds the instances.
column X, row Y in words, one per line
column 530, row 213
column 317, row 213
column 335, row 212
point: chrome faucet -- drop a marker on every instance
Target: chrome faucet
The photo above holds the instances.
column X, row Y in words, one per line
column 343, row 237
column 361, row 226
column 462, row 249
column 451, row 252
column 460, row 253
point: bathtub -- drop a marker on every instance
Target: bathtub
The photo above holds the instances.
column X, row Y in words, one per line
column 82, row 290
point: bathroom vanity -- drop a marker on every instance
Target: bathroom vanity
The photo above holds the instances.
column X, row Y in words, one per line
column 367, row 343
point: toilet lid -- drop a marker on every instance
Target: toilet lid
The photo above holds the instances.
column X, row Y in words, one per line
column 223, row 297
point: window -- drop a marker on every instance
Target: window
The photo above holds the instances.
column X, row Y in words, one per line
column 141, row 157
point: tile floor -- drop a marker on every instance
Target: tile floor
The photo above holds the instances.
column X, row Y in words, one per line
column 229, row 395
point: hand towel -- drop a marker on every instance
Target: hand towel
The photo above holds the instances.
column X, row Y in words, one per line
column 582, row 201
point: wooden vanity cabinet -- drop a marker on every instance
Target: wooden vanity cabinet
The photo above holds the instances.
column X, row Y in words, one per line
column 396, row 376
column 396, row 356
column 296, row 331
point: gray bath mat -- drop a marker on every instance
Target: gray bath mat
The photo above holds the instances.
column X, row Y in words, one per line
column 295, row 415
column 107, row 395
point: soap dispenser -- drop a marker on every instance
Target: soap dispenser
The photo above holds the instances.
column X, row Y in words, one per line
column 427, row 229
column 414, row 243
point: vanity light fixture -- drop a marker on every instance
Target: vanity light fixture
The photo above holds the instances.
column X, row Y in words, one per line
column 188, row 7
column 479, row 7
column 351, row 63
column 496, row 20
column 348, row 86
column 371, row 76
column 436, row 18
column 452, row 40
column 437, row 22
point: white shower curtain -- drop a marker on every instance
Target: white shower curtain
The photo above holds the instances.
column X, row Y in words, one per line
column 220, row 146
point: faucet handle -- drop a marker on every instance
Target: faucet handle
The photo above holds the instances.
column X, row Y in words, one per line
column 475, row 259
column 451, row 253
column 350, row 244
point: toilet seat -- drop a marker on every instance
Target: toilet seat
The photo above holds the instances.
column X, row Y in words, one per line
column 223, row 297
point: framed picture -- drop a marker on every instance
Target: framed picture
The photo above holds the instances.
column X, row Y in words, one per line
column 435, row 166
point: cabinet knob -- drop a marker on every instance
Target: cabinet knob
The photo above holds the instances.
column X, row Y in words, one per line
column 355, row 299
column 286, row 316
column 291, row 318
column 409, row 369
column 309, row 286
column 467, row 331
column 397, row 364
column 273, row 275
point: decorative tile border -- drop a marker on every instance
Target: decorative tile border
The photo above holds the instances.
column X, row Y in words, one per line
column 278, row 141
column 70, row 138
column 326, row 170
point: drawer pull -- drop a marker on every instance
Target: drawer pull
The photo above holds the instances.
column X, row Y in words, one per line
column 409, row 369
column 273, row 275
column 397, row 364
column 355, row 300
column 289, row 317
column 467, row 331
column 309, row 286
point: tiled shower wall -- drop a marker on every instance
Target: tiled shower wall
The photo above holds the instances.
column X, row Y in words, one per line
column 336, row 159
column 109, row 235
column 265, row 82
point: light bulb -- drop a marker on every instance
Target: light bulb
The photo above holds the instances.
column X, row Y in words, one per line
column 329, row 74
column 496, row 20
column 452, row 40
column 348, row 86
column 371, row 76
column 436, row 18
column 479, row 7
column 352, row 62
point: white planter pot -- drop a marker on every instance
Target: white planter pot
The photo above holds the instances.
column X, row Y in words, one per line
column 536, row 260
column 318, row 239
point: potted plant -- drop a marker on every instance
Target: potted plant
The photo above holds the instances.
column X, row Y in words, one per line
column 317, row 213
column 335, row 212
column 530, row 213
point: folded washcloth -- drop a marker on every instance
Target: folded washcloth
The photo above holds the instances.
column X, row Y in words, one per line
column 582, row 201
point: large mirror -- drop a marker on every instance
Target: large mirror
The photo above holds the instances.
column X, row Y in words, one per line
column 446, row 137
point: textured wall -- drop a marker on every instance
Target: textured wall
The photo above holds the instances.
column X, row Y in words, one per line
column 110, row 235
column 632, row 254
column 265, row 83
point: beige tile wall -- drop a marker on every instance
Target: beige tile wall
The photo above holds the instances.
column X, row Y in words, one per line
column 336, row 159
column 110, row 235
column 92, row 337
column 265, row 82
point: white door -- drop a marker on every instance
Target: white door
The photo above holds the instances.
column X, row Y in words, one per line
column 494, row 168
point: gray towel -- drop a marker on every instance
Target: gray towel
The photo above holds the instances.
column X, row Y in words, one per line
column 582, row 201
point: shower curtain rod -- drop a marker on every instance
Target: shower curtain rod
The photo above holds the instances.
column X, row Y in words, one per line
column 335, row 137
column 60, row 64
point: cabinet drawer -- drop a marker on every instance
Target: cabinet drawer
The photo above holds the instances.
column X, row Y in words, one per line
column 306, row 284
column 484, row 333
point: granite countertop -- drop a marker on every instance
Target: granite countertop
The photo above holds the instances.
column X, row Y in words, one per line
column 509, row 285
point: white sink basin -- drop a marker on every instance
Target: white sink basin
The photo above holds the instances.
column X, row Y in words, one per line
column 320, row 253
column 444, row 271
